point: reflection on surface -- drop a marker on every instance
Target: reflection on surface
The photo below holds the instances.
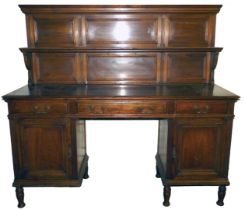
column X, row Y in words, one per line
column 121, row 90
column 121, row 31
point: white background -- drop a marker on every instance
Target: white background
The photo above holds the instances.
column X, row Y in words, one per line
column 122, row 164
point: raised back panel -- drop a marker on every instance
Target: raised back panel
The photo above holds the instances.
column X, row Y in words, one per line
column 54, row 31
column 190, row 31
column 122, row 68
column 121, row 44
column 123, row 30
column 187, row 67
column 56, row 68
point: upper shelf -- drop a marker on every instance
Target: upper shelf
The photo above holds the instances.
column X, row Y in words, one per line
column 126, row 50
column 30, row 9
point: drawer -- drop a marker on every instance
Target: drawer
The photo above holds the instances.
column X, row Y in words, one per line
column 201, row 107
column 38, row 107
column 122, row 108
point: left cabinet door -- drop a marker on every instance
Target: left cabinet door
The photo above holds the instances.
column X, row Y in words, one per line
column 41, row 148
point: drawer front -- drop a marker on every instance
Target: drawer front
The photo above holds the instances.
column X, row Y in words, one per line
column 38, row 107
column 201, row 107
column 122, row 108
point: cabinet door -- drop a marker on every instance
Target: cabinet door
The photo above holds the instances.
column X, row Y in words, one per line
column 200, row 149
column 43, row 148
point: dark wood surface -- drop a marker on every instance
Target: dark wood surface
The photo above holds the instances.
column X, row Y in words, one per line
column 196, row 91
column 121, row 62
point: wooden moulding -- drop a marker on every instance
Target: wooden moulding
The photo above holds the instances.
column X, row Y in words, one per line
column 34, row 9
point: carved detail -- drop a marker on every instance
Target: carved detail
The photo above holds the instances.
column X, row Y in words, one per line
column 215, row 56
column 28, row 64
column 166, row 195
column 221, row 195
column 214, row 61
column 20, row 196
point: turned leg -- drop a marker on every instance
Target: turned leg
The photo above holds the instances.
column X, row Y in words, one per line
column 166, row 195
column 221, row 195
column 157, row 172
column 20, row 196
column 86, row 176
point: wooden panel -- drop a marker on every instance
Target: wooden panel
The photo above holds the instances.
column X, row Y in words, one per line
column 197, row 148
column 186, row 67
column 189, row 31
column 124, row 29
column 201, row 107
column 56, row 68
column 123, row 68
column 55, row 31
column 45, row 151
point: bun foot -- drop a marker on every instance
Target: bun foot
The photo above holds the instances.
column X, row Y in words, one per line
column 20, row 197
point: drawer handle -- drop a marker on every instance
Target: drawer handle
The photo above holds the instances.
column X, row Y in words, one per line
column 96, row 109
column 36, row 110
column 206, row 109
column 146, row 110
column 198, row 110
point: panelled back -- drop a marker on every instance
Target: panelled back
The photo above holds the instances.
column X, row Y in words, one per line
column 121, row 30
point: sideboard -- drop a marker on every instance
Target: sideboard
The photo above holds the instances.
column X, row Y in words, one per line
column 120, row 62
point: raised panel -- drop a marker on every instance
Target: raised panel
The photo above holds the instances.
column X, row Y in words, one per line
column 55, row 31
column 44, row 146
column 122, row 68
column 198, row 144
column 187, row 67
column 189, row 31
column 122, row 30
column 56, row 68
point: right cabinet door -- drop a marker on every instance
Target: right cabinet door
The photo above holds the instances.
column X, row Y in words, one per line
column 201, row 148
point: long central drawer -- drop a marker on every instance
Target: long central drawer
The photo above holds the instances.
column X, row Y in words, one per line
column 91, row 107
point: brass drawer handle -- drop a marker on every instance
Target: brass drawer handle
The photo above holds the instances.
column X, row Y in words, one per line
column 198, row 110
column 36, row 109
column 206, row 109
column 146, row 110
column 96, row 109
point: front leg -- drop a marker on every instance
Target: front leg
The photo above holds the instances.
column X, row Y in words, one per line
column 86, row 176
column 166, row 195
column 20, row 196
column 221, row 195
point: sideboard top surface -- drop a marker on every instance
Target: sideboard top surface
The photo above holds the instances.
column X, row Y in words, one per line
column 122, row 92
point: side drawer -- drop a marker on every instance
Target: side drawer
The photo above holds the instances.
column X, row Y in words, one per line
column 201, row 107
column 38, row 107
column 145, row 108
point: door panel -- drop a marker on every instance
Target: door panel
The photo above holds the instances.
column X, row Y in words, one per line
column 198, row 144
column 45, row 146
